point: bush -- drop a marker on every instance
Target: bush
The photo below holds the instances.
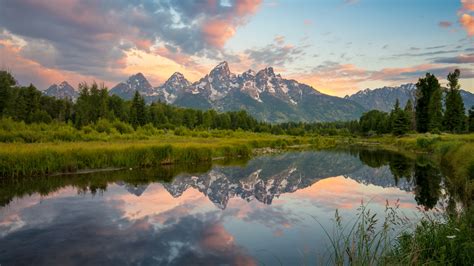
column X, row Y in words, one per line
column 181, row 131
column 103, row 126
column 122, row 128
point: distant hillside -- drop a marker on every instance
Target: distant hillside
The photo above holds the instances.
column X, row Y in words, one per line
column 383, row 99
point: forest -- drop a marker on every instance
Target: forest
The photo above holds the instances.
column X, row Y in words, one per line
column 435, row 110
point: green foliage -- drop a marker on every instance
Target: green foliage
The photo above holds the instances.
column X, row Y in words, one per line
column 428, row 104
column 455, row 113
column 375, row 121
column 410, row 111
column 400, row 120
column 7, row 81
column 471, row 119
column 448, row 241
column 138, row 115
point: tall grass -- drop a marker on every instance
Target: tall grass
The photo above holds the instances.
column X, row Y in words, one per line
column 24, row 159
column 437, row 239
column 366, row 240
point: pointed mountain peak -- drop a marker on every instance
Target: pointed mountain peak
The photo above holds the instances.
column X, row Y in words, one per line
column 268, row 71
column 177, row 79
column 176, row 75
column 221, row 69
column 139, row 75
column 64, row 83
column 62, row 91
column 222, row 64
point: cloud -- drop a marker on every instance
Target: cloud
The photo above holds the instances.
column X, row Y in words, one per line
column 350, row 1
column 467, row 5
column 278, row 53
column 467, row 21
column 461, row 59
column 445, row 24
column 26, row 70
column 94, row 38
column 342, row 79
column 426, row 53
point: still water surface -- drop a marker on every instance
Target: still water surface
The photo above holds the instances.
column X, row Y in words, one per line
column 259, row 212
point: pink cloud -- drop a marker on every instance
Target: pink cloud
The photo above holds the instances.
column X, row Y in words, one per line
column 218, row 30
column 29, row 71
column 467, row 21
column 467, row 5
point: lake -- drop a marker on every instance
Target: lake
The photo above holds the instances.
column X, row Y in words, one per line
column 269, row 210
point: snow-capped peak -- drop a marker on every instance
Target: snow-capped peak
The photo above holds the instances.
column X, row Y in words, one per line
column 222, row 69
column 65, row 84
column 177, row 79
column 267, row 72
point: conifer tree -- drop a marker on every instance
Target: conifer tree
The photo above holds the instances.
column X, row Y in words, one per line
column 138, row 111
column 429, row 112
column 410, row 111
column 455, row 114
column 400, row 120
column 6, row 83
column 471, row 119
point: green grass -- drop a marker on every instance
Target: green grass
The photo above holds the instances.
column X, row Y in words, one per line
column 447, row 239
column 25, row 159
column 437, row 239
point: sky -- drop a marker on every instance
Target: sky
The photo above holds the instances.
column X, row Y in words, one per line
column 337, row 46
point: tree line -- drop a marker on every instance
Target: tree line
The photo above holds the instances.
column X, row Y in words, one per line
column 435, row 110
column 94, row 104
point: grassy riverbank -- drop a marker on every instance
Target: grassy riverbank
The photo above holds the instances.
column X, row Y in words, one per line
column 29, row 159
column 454, row 153
column 443, row 237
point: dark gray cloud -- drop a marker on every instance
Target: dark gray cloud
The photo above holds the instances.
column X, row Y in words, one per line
column 92, row 37
column 276, row 54
column 461, row 59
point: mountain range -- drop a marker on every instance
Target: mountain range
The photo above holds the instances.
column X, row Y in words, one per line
column 62, row 91
column 383, row 99
column 264, row 95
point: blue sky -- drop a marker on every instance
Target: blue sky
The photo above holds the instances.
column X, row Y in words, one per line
column 337, row 46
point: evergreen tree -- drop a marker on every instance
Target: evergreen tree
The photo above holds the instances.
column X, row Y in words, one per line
column 410, row 111
column 400, row 120
column 471, row 119
column 138, row 111
column 428, row 104
column 455, row 114
column 435, row 111
column 7, row 81
column 82, row 107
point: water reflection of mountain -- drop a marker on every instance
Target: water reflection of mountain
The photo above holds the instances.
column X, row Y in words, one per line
column 267, row 177
column 136, row 190
column 262, row 178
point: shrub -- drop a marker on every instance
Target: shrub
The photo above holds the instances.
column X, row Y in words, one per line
column 122, row 128
column 103, row 126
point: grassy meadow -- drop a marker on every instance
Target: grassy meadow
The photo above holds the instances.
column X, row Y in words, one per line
column 39, row 149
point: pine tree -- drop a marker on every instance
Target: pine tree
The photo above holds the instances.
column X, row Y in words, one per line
column 471, row 119
column 455, row 114
column 400, row 120
column 435, row 110
column 6, row 83
column 138, row 111
column 410, row 111
column 428, row 104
